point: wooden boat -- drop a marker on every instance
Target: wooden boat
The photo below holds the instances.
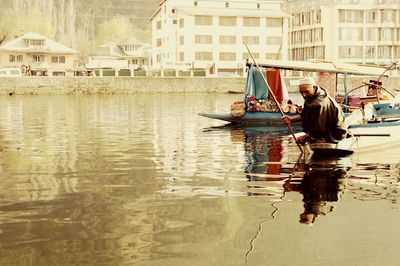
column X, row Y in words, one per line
column 248, row 117
column 261, row 92
column 364, row 138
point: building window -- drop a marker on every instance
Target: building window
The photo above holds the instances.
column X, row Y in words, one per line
column 370, row 52
column 305, row 19
column 320, row 52
column 297, row 37
column 352, row 1
column 351, row 34
column 158, row 42
column 247, row 56
column 131, row 47
column 203, row 56
column 385, row 52
column 227, row 56
column 175, row 22
column 158, row 25
column 296, row 20
column 258, row 6
column 173, row 11
column 181, row 23
column 386, row 34
column 351, row 16
column 351, row 52
column 227, row 39
column 318, row 35
column 274, row 22
column 181, row 56
column 58, row 59
column 11, row 58
column 38, row 58
column 181, row 40
column 273, row 56
column 388, row 16
column 254, row 40
column 203, row 20
column 20, row 58
column 274, row 40
column 203, row 39
column 370, row 16
column 195, row 3
column 227, row 21
column 36, row 42
column 226, row 4
column 251, row 22
column 316, row 17
column 370, row 34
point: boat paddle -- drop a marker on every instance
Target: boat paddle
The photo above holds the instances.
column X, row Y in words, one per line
column 273, row 96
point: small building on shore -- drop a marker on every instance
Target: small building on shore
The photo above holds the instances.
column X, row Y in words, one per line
column 121, row 58
column 37, row 55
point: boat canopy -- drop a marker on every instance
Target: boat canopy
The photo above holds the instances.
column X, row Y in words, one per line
column 323, row 66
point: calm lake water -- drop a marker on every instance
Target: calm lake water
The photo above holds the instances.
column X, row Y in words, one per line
column 144, row 180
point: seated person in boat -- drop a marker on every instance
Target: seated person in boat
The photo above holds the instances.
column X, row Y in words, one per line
column 321, row 118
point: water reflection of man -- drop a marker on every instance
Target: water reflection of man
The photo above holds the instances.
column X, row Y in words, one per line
column 321, row 187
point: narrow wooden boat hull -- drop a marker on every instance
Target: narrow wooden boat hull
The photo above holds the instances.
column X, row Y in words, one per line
column 256, row 117
column 343, row 148
column 365, row 138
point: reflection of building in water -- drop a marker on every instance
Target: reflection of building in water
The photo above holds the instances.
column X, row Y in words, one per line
column 68, row 142
column 71, row 176
column 36, row 149
column 375, row 181
column 179, row 151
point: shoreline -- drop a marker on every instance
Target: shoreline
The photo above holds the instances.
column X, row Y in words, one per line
column 134, row 85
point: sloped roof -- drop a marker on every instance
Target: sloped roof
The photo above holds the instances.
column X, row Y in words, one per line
column 109, row 49
column 131, row 41
column 274, row 13
column 20, row 45
column 112, row 49
column 270, row 13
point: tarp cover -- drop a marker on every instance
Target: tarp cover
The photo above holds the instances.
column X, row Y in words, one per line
column 255, row 85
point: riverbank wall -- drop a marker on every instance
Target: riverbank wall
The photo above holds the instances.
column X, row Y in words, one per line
column 134, row 85
column 117, row 85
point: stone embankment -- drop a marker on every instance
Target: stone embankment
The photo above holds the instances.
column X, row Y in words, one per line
column 133, row 85
column 117, row 85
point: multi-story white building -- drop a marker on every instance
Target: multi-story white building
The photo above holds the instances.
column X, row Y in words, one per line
column 354, row 31
column 209, row 34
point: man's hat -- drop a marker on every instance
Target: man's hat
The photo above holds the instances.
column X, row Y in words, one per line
column 307, row 81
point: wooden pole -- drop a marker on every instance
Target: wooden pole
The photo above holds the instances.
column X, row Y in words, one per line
column 273, row 96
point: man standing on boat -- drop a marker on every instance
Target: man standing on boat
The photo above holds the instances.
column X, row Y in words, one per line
column 321, row 118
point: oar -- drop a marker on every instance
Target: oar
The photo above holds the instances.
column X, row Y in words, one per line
column 273, row 96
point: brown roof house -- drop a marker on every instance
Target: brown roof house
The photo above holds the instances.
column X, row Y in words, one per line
column 129, row 54
column 39, row 53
